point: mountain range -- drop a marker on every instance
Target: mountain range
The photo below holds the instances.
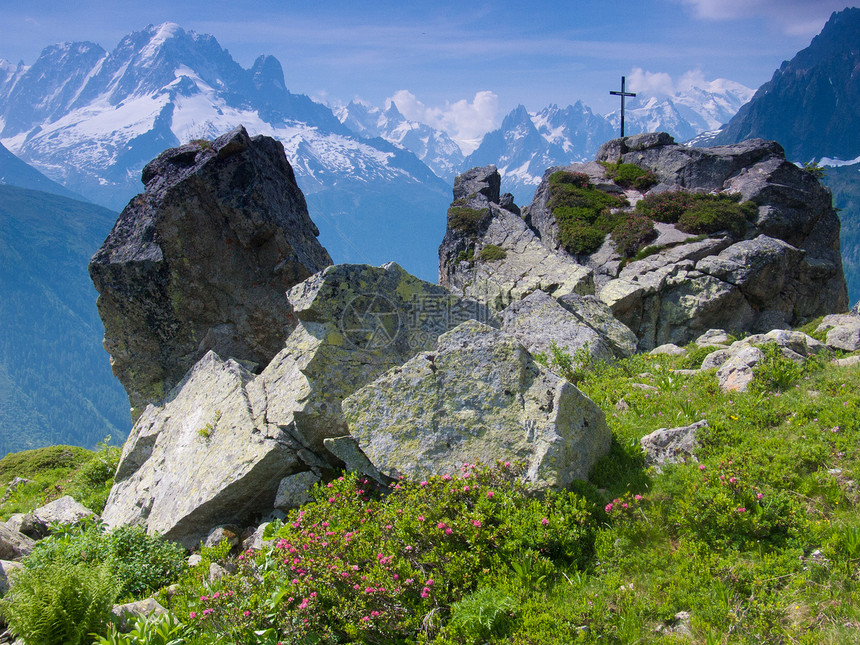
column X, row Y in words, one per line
column 811, row 106
column 377, row 183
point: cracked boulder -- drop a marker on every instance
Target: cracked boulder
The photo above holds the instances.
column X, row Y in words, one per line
column 478, row 395
column 490, row 253
column 201, row 260
column 226, row 442
column 843, row 331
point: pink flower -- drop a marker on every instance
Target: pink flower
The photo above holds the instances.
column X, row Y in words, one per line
column 507, row 464
column 246, row 613
column 423, row 484
column 732, row 480
column 490, row 494
column 440, row 525
column 477, row 523
column 759, row 496
column 544, row 521
column 193, row 614
column 701, row 466
column 374, row 614
column 420, row 518
column 608, row 507
column 429, row 582
column 448, row 531
column 741, row 509
column 637, row 497
column 425, row 592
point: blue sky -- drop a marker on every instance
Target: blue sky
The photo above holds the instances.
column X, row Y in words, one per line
column 467, row 62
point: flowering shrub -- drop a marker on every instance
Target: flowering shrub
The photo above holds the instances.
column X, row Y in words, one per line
column 665, row 207
column 727, row 508
column 632, row 234
column 370, row 565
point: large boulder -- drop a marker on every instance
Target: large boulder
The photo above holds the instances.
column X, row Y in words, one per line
column 200, row 261
column 477, row 396
column 843, row 331
column 14, row 545
column 221, row 446
column 490, row 253
column 63, row 511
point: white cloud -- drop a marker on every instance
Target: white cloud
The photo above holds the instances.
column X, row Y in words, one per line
column 464, row 121
column 661, row 84
column 792, row 17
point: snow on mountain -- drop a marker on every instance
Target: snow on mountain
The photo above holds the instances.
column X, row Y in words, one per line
column 434, row 147
column 91, row 119
column 685, row 113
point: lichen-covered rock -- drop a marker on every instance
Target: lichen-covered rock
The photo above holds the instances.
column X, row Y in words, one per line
column 669, row 349
column 201, row 260
column 736, row 373
column 127, row 613
column 671, row 445
column 578, row 323
column 7, row 573
column 218, row 449
column 477, row 396
column 28, row 524
column 295, row 490
column 495, row 257
column 843, row 331
column 713, row 337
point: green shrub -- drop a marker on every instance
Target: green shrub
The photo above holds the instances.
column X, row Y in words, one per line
column 579, row 179
column 466, row 220
column 467, row 256
column 775, row 372
column 480, row 615
column 665, row 207
column 141, row 563
column 629, row 175
column 712, row 213
column 60, row 605
column 492, row 253
column 632, row 234
column 580, row 238
column 30, row 463
column 162, row 630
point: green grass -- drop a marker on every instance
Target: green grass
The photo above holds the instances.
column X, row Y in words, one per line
column 56, row 471
column 466, row 220
column 492, row 253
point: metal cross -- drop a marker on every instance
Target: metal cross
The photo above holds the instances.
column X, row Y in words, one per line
column 622, row 94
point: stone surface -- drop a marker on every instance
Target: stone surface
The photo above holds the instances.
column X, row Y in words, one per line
column 713, row 337
column 669, row 349
column 538, row 320
column 477, row 396
column 856, row 309
column 7, row 573
column 28, row 524
column 671, row 445
column 255, row 540
column 527, row 266
column 128, row 612
column 843, row 331
column 715, row 359
column 848, row 361
column 736, row 373
column 217, row 535
column 62, row 511
column 295, row 490
column 218, row 448
column 14, row 545
column 201, row 260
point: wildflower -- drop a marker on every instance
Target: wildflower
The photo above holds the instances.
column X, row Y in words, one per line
column 544, row 521
column 701, row 466
column 420, row 518
column 608, row 507
column 637, row 497
column 759, row 496
column 425, row 592
column 246, row 613
column 423, row 484
column 477, row 523
column 429, row 582
column 741, row 509
column 490, row 494
column 193, row 614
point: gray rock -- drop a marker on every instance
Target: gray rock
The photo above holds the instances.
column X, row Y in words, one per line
column 28, row 524
column 62, row 511
column 538, row 320
column 194, row 559
column 856, row 309
column 736, row 373
column 201, row 260
column 295, row 490
column 478, row 396
column 713, row 337
column 218, row 449
column 219, row 534
column 7, row 574
column 848, row 361
column 715, row 359
column 671, row 445
column 127, row 613
column 14, row 545
column 842, row 332
column 255, row 541
column 348, row 451
column 669, row 349
column 216, row 572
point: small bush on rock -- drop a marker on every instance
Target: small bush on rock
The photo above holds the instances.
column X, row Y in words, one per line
column 467, row 220
column 712, row 213
column 629, row 175
column 665, row 207
column 633, row 234
column 492, row 253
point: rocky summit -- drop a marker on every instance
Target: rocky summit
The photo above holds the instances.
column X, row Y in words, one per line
column 752, row 246
column 200, row 261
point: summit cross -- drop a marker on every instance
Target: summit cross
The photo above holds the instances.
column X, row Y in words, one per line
column 622, row 94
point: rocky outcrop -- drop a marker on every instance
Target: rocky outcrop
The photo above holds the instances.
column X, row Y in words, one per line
column 783, row 270
column 63, row 511
column 200, row 261
column 489, row 252
column 477, row 396
column 228, row 445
